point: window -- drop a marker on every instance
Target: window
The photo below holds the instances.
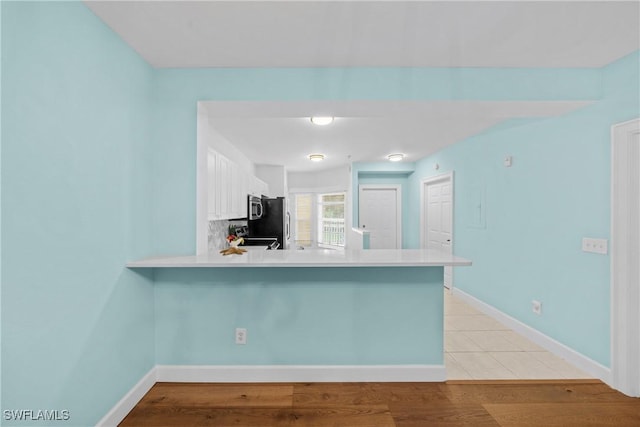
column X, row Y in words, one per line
column 318, row 219
column 331, row 219
column 303, row 220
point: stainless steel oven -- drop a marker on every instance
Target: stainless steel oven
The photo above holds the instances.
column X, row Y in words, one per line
column 254, row 208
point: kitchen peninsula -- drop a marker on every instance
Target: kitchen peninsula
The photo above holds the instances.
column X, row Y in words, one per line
column 310, row 258
column 310, row 315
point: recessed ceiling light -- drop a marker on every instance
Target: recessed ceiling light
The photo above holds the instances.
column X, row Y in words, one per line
column 316, row 157
column 396, row 157
column 321, row 121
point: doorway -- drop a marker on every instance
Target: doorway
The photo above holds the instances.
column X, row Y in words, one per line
column 380, row 212
column 625, row 251
column 436, row 218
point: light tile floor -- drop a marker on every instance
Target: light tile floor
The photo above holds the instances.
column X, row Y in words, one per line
column 481, row 348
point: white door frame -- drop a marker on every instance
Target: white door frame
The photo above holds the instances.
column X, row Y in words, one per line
column 625, row 254
column 444, row 177
column 202, row 182
column 398, row 189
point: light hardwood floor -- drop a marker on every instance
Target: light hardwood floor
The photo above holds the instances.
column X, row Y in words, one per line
column 479, row 347
column 506, row 404
column 476, row 348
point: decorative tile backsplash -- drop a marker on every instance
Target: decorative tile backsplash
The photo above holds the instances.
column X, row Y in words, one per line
column 218, row 232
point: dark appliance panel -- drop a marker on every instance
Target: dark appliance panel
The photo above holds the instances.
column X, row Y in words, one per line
column 273, row 222
column 270, row 242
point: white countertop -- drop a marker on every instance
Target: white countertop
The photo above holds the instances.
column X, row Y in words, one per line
column 309, row 258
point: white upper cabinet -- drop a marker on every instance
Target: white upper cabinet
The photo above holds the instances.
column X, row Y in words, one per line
column 213, row 211
column 228, row 187
column 258, row 187
column 223, row 187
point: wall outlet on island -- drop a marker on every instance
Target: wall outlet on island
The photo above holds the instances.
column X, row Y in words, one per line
column 241, row 336
column 536, row 307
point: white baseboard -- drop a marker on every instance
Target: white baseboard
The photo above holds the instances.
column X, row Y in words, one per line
column 129, row 401
column 578, row 360
column 302, row 373
column 269, row 373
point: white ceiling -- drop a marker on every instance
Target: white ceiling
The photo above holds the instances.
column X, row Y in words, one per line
column 364, row 131
column 371, row 33
column 374, row 33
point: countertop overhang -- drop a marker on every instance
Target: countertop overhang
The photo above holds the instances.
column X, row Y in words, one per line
column 310, row 258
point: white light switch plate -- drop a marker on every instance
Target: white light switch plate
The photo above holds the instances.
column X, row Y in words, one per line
column 597, row 246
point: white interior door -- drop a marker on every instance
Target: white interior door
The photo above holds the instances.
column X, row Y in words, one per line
column 437, row 218
column 380, row 213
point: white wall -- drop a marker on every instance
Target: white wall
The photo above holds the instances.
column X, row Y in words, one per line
column 219, row 143
column 336, row 179
column 276, row 178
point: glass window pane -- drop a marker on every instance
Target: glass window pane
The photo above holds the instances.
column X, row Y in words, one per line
column 331, row 219
column 335, row 198
column 333, row 211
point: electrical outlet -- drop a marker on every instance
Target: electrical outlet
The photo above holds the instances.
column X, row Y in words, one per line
column 597, row 246
column 241, row 336
column 536, row 307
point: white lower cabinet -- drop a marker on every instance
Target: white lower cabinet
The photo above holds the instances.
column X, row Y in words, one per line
column 229, row 186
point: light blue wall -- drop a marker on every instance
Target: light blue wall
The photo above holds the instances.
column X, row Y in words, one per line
column 384, row 173
column 77, row 327
column 0, row 208
column 98, row 167
column 299, row 316
column 537, row 211
column 177, row 91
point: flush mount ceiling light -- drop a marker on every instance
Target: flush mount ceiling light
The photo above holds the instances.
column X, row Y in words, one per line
column 321, row 121
column 316, row 157
column 396, row 157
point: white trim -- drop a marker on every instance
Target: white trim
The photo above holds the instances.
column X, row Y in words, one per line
column 444, row 177
column 269, row 373
column 398, row 188
column 300, row 373
column 348, row 208
column 202, row 182
column 625, row 250
column 579, row 360
column 129, row 401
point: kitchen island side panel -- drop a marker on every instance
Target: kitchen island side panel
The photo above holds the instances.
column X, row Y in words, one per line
column 300, row 316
